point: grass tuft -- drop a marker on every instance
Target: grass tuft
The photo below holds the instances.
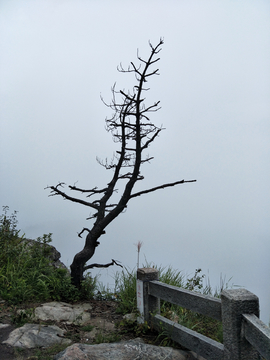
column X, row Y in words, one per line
column 26, row 274
column 125, row 292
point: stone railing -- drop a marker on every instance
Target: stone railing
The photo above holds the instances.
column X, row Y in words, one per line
column 245, row 336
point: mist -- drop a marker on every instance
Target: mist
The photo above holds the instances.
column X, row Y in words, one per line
column 59, row 57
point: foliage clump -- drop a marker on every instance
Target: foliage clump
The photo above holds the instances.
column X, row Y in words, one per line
column 26, row 273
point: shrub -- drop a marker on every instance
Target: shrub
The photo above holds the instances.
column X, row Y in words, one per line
column 25, row 270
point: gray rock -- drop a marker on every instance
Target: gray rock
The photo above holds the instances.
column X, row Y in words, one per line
column 2, row 326
column 53, row 254
column 59, row 311
column 33, row 335
column 126, row 350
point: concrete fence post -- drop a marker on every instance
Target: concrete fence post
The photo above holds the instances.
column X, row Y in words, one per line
column 146, row 304
column 234, row 303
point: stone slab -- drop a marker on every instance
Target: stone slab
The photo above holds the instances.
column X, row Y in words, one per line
column 125, row 350
column 60, row 311
column 35, row 335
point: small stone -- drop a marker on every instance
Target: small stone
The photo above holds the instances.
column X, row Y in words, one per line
column 130, row 317
column 91, row 334
column 103, row 324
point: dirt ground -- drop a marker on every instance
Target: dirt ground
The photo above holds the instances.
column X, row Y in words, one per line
column 106, row 325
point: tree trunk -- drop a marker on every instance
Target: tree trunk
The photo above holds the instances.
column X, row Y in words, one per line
column 80, row 259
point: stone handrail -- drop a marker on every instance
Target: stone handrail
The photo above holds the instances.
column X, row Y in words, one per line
column 257, row 333
column 244, row 335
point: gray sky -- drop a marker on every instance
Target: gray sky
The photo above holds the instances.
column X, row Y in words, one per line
column 57, row 57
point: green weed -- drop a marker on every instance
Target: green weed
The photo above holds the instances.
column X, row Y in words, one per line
column 127, row 326
column 101, row 337
column 125, row 290
column 104, row 293
column 87, row 328
column 26, row 274
column 21, row 317
column 48, row 353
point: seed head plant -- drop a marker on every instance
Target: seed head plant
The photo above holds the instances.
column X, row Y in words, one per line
column 139, row 245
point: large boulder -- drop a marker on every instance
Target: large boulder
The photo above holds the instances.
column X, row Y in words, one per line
column 124, row 350
column 34, row 335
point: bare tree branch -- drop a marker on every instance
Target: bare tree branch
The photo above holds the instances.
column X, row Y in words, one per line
column 56, row 191
column 160, row 187
column 83, row 230
column 94, row 190
column 101, row 266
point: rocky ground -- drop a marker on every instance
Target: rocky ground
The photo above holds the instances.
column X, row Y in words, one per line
column 105, row 326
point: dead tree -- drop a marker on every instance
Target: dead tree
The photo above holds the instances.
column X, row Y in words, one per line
column 131, row 127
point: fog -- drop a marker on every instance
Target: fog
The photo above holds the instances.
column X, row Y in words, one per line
column 58, row 57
